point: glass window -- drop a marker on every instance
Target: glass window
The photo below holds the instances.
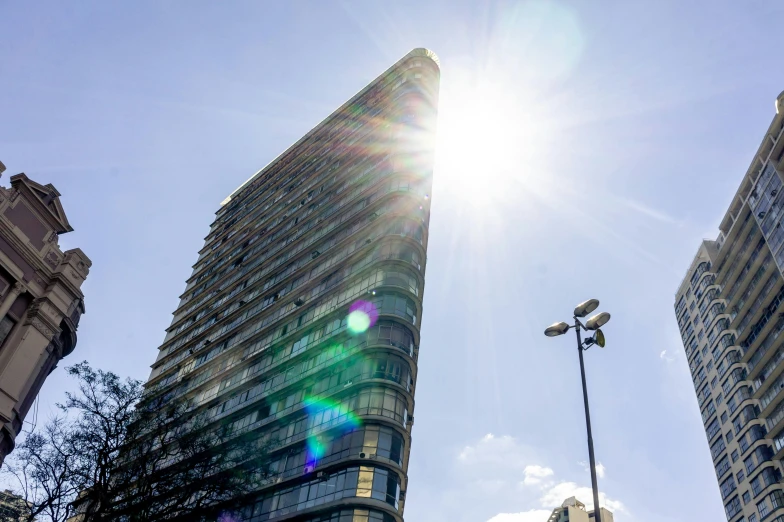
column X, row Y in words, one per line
column 733, row 507
column 763, row 507
column 777, row 499
column 722, row 467
column 364, row 481
column 756, row 487
column 727, row 487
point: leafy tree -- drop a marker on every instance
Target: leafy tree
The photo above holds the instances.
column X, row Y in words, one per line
column 116, row 454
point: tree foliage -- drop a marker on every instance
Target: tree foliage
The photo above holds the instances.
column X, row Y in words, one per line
column 116, row 454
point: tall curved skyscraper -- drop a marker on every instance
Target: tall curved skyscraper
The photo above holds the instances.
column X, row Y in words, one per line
column 301, row 319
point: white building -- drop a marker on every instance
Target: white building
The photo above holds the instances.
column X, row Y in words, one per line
column 572, row 510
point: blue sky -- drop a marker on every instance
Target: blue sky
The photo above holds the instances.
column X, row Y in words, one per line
column 585, row 149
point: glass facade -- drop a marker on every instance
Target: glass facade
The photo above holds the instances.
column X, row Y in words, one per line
column 734, row 292
column 300, row 322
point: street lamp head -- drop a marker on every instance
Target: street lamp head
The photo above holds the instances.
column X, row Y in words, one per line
column 586, row 307
column 599, row 338
column 554, row 330
column 597, row 321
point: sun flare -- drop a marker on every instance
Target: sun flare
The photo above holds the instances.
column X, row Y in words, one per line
column 481, row 140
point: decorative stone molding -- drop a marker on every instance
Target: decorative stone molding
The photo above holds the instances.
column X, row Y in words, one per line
column 44, row 328
column 78, row 261
column 37, row 316
column 55, row 347
column 52, row 259
column 83, row 268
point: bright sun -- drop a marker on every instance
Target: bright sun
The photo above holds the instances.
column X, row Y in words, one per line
column 480, row 142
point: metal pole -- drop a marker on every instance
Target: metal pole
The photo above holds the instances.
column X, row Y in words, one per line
column 594, row 485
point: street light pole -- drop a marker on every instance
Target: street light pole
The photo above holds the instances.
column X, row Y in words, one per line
column 591, row 325
column 592, row 461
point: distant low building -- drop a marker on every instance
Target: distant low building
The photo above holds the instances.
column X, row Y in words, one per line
column 12, row 507
column 572, row 510
column 40, row 297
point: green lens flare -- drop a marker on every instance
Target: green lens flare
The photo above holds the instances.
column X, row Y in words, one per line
column 361, row 316
column 326, row 408
column 358, row 321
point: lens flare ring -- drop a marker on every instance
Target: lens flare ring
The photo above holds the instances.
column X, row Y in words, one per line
column 361, row 316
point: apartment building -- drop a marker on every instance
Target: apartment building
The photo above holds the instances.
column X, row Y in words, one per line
column 729, row 312
column 300, row 321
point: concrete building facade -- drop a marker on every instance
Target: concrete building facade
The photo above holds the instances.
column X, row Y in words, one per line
column 729, row 312
column 300, row 321
column 40, row 297
column 13, row 508
column 572, row 510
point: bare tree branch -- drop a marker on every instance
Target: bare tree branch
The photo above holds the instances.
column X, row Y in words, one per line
column 118, row 456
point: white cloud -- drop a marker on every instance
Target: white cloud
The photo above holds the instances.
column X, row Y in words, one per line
column 495, row 465
column 534, row 474
column 503, row 451
column 600, row 469
column 554, row 496
column 534, row 515
column 663, row 356
column 501, row 467
column 498, row 459
column 650, row 212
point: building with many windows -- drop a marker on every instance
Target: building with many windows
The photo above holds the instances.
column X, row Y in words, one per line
column 729, row 310
column 12, row 507
column 40, row 297
column 300, row 321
